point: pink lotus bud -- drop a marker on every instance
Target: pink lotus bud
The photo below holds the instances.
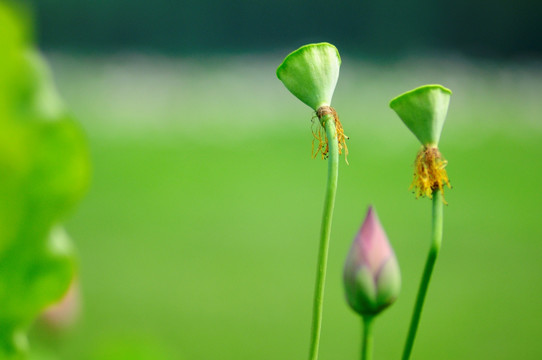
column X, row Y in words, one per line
column 372, row 278
column 65, row 312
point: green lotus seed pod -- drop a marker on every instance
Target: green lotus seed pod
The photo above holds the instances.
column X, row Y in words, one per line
column 423, row 110
column 311, row 73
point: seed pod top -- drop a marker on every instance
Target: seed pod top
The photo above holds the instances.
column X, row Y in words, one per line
column 311, row 73
column 423, row 110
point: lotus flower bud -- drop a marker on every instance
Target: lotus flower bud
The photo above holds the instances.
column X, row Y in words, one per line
column 372, row 278
column 311, row 73
column 63, row 314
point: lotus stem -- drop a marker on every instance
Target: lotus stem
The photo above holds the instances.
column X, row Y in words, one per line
column 426, row 277
column 328, row 122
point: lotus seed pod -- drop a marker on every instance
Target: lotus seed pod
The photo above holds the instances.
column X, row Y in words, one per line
column 311, row 73
column 423, row 110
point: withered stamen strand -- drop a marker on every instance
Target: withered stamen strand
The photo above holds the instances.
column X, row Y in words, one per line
column 323, row 145
column 429, row 173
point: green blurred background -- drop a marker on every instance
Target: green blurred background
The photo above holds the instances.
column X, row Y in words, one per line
column 198, row 237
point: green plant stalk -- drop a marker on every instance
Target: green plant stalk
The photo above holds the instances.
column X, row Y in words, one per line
column 367, row 342
column 426, row 277
column 333, row 172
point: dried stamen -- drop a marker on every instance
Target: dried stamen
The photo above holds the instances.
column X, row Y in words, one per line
column 429, row 173
column 320, row 135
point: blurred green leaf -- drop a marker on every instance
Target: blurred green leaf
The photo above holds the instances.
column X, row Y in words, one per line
column 44, row 171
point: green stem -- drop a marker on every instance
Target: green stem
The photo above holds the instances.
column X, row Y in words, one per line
column 426, row 277
column 367, row 343
column 331, row 190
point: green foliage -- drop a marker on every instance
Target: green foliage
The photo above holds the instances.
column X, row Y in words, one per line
column 44, row 171
column 368, row 27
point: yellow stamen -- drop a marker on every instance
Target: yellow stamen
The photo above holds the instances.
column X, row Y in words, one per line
column 429, row 173
column 320, row 136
